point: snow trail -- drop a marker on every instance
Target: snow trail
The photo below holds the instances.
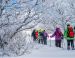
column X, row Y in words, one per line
column 45, row 51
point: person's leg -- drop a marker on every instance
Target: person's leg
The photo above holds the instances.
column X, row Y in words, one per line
column 56, row 43
column 59, row 43
column 34, row 38
column 68, row 44
column 39, row 40
column 45, row 41
column 72, row 44
column 42, row 41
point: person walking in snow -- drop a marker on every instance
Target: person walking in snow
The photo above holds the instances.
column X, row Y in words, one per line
column 40, row 37
column 45, row 35
column 36, row 34
column 33, row 35
column 58, row 37
column 69, row 36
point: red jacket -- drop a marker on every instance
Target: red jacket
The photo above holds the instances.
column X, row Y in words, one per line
column 36, row 34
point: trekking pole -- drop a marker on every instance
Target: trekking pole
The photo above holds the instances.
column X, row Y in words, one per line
column 50, row 42
column 62, row 42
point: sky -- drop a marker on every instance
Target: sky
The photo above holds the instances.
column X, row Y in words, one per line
column 13, row 1
column 10, row 4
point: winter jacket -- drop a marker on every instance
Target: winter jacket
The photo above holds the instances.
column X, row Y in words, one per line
column 33, row 33
column 36, row 34
column 39, row 32
column 65, row 35
column 45, row 34
column 40, row 36
column 57, row 34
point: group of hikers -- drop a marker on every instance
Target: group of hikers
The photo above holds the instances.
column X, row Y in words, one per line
column 40, row 35
column 68, row 34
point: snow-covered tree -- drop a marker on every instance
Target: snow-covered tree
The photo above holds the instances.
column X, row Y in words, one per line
column 16, row 16
column 58, row 13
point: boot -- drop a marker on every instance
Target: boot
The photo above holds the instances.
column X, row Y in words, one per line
column 73, row 48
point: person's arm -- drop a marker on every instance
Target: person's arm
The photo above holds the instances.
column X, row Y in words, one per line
column 53, row 34
column 62, row 36
column 65, row 33
column 47, row 35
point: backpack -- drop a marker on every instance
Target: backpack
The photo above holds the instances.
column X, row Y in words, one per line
column 70, row 32
column 36, row 34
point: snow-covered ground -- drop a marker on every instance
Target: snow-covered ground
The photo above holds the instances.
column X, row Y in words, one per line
column 48, row 51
